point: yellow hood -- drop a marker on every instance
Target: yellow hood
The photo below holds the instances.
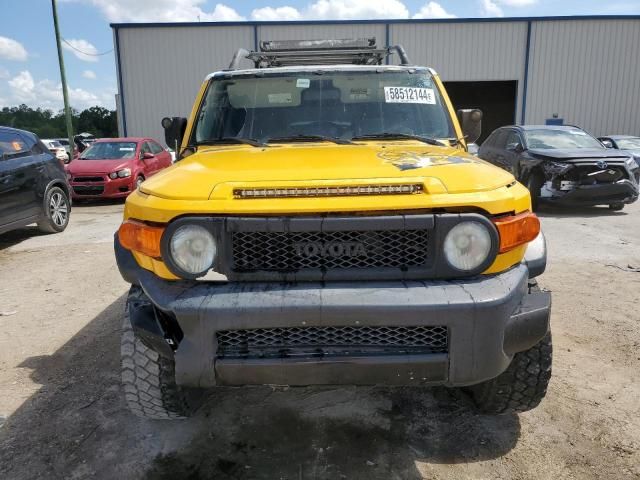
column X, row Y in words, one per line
column 213, row 173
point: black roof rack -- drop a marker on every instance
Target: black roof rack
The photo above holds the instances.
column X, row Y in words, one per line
column 282, row 53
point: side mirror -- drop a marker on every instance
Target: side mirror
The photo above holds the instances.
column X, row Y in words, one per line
column 515, row 147
column 471, row 123
column 174, row 129
column 147, row 155
column 607, row 143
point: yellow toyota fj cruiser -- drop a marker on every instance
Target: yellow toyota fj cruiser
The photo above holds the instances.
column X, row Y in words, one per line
column 324, row 224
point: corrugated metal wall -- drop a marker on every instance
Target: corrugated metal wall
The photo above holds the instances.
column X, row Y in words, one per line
column 324, row 30
column 467, row 51
column 588, row 72
column 163, row 68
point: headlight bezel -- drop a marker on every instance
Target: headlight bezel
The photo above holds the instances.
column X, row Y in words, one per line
column 491, row 255
column 165, row 246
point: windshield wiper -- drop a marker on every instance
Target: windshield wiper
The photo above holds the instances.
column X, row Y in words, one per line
column 223, row 140
column 395, row 136
column 310, row 138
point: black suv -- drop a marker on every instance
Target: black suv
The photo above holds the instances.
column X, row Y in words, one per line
column 33, row 184
column 564, row 165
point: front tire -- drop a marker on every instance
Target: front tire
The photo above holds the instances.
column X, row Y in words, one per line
column 534, row 184
column 148, row 378
column 57, row 209
column 520, row 387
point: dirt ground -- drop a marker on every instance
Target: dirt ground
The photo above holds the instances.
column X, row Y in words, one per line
column 62, row 414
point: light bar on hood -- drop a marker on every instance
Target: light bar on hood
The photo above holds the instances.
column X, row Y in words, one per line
column 345, row 191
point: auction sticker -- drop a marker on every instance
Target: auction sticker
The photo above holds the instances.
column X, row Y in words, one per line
column 409, row 95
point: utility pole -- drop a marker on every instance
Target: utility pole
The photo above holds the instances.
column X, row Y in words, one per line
column 63, row 79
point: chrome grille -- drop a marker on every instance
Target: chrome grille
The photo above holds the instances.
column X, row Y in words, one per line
column 292, row 251
column 337, row 341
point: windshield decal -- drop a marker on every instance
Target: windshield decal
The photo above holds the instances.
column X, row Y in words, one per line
column 303, row 83
column 412, row 160
column 409, row 95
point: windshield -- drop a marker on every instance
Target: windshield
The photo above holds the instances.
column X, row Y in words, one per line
column 109, row 151
column 331, row 105
column 569, row 139
column 628, row 143
column 54, row 144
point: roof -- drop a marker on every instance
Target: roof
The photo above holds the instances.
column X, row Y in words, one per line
column 316, row 68
column 544, row 127
column 124, row 139
column 377, row 21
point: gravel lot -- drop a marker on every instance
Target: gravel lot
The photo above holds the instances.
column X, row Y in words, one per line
column 62, row 415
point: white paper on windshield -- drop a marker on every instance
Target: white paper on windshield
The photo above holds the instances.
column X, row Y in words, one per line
column 280, row 98
column 303, row 83
column 409, row 95
column 126, row 149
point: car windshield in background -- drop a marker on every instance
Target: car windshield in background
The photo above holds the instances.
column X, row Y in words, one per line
column 310, row 107
column 55, row 144
column 561, row 139
column 109, row 151
column 628, row 143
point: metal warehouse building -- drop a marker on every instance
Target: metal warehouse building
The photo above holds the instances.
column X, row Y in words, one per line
column 580, row 70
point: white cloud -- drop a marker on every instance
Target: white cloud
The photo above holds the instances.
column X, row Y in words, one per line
column 433, row 10
column 163, row 11
column 11, row 49
column 335, row 9
column 517, row 3
column 82, row 49
column 279, row 13
column 488, row 8
column 90, row 74
column 48, row 94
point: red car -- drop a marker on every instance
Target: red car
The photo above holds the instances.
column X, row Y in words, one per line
column 114, row 167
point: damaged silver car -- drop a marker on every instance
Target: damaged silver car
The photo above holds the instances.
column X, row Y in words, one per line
column 564, row 165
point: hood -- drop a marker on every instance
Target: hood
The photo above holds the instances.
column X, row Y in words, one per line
column 78, row 166
column 214, row 172
column 568, row 154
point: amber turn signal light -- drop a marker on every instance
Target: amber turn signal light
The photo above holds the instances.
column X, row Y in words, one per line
column 517, row 230
column 140, row 237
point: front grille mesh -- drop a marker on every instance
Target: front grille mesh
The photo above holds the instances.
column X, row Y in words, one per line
column 344, row 340
column 291, row 251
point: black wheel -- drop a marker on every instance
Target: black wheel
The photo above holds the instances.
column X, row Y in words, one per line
column 148, row 378
column 534, row 184
column 139, row 181
column 519, row 388
column 57, row 209
column 616, row 207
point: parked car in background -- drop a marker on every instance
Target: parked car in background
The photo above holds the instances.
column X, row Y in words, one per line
column 564, row 164
column 628, row 143
column 114, row 167
column 33, row 187
column 57, row 149
column 65, row 143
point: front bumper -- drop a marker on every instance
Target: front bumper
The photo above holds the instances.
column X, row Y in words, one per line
column 488, row 319
column 623, row 191
column 108, row 188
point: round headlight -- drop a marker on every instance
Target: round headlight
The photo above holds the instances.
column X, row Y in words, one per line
column 193, row 249
column 467, row 245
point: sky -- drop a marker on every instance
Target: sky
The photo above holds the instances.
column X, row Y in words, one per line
column 29, row 70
